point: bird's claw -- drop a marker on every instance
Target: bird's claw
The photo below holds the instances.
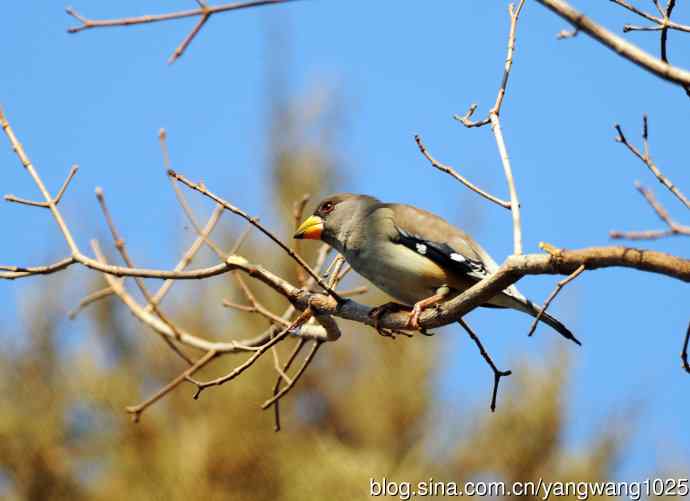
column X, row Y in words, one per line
column 379, row 311
column 413, row 321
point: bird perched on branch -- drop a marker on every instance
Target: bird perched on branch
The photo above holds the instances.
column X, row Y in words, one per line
column 415, row 256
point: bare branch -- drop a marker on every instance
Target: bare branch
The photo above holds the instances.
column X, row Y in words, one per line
column 254, row 305
column 634, row 27
column 188, row 256
column 498, row 374
column 56, row 200
column 73, row 170
column 308, row 359
column 658, row 20
column 192, row 34
column 306, row 331
column 664, row 30
column 137, row 410
column 13, row 272
column 90, row 299
column 28, row 166
column 646, row 159
column 202, row 189
column 298, row 322
column 297, row 213
column 122, row 249
column 673, row 227
column 77, row 256
column 514, row 202
column 204, row 12
column 276, row 387
column 619, row 45
column 635, row 10
column 553, row 295
column 452, row 172
column 493, row 119
column 684, row 353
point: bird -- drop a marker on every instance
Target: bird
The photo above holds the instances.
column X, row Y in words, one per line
column 415, row 256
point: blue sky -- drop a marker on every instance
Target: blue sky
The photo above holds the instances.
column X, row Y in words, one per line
column 98, row 99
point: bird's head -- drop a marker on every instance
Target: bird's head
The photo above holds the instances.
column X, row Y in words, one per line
column 334, row 217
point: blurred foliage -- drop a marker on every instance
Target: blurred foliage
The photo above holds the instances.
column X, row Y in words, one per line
column 364, row 409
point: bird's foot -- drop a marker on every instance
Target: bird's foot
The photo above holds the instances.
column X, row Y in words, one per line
column 377, row 312
column 420, row 306
column 413, row 321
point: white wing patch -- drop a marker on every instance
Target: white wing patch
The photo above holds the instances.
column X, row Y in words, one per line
column 458, row 257
column 421, row 248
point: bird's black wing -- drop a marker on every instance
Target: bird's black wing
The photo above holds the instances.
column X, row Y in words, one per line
column 442, row 254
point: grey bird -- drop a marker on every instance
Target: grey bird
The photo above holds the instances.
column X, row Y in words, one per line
column 415, row 256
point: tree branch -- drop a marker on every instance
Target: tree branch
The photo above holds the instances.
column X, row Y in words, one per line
column 553, row 295
column 673, row 227
column 498, row 374
column 254, row 221
column 622, row 47
column 647, row 160
column 204, row 12
column 452, row 172
column 493, row 119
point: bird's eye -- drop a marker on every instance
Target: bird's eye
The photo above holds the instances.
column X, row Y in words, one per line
column 327, row 207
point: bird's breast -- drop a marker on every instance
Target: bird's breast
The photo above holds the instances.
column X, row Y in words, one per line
column 400, row 272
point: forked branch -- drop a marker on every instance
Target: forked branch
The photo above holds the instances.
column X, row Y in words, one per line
column 493, row 119
column 647, row 160
column 622, row 47
column 204, row 13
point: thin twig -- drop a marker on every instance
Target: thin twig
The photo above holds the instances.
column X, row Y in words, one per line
column 552, row 296
column 493, row 119
column 90, row 299
column 122, row 249
column 248, row 345
column 202, row 385
column 452, row 172
column 181, row 199
column 165, row 288
column 297, row 213
column 188, row 256
column 137, row 410
column 204, row 12
column 673, row 227
column 664, row 30
column 179, row 50
column 276, row 387
column 632, row 8
column 50, row 201
column 663, row 23
column 204, row 191
column 254, row 305
column 647, row 160
column 508, row 171
column 307, row 360
column 56, row 200
column 684, row 353
column 619, row 45
column 498, row 374
column 13, row 272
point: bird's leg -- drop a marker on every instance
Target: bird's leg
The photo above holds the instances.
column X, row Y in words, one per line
column 379, row 311
column 419, row 306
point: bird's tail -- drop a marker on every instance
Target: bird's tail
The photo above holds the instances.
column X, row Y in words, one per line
column 527, row 306
column 552, row 322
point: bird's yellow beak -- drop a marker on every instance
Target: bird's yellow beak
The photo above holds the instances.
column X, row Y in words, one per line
column 310, row 229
